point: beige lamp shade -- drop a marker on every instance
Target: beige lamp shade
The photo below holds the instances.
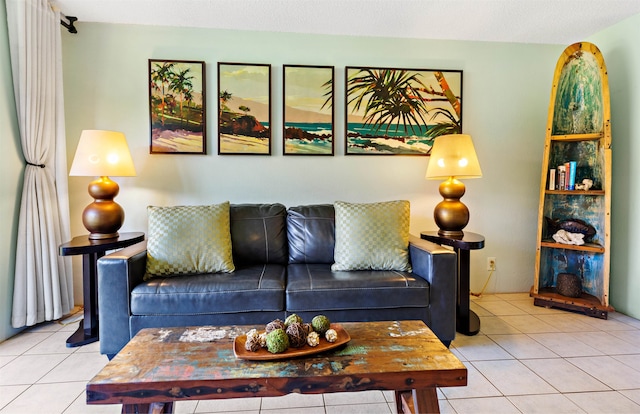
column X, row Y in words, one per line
column 102, row 153
column 453, row 156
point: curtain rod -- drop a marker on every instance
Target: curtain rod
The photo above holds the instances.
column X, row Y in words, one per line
column 69, row 25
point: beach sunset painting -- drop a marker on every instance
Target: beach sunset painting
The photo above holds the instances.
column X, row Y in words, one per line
column 400, row 111
column 244, row 114
column 308, row 110
column 177, row 107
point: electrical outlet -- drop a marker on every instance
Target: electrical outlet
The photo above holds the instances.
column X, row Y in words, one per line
column 491, row 263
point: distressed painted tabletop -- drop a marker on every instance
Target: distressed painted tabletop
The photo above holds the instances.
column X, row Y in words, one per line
column 157, row 366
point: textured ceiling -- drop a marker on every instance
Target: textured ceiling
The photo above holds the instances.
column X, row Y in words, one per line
column 521, row 21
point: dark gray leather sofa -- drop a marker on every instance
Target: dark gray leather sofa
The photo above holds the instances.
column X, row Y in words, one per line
column 283, row 265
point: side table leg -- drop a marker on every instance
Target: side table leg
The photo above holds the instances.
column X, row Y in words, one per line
column 467, row 322
column 87, row 332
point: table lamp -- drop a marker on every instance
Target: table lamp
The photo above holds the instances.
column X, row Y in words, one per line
column 452, row 157
column 102, row 154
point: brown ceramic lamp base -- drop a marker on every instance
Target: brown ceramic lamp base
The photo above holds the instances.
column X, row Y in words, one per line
column 104, row 217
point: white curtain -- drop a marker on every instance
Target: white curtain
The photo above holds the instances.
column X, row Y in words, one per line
column 43, row 286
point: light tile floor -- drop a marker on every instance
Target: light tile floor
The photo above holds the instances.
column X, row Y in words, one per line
column 526, row 359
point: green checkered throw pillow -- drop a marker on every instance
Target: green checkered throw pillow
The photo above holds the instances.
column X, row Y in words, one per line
column 372, row 236
column 189, row 240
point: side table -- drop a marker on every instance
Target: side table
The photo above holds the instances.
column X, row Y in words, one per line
column 91, row 251
column 467, row 322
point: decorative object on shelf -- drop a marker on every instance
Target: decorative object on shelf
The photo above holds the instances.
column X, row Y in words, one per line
column 586, row 185
column 177, row 107
column 103, row 154
column 452, row 157
column 400, row 111
column 308, row 110
column 568, row 284
column 564, row 237
column 572, row 225
column 244, row 109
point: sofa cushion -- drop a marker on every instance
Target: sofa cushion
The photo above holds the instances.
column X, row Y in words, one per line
column 189, row 240
column 372, row 236
column 250, row 289
column 311, row 233
column 315, row 288
column 259, row 234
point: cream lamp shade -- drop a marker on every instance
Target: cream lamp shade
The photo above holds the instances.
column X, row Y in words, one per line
column 102, row 154
column 452, row 157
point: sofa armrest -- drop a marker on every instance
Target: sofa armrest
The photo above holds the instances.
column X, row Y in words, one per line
column 118, row 274
column 438, row 266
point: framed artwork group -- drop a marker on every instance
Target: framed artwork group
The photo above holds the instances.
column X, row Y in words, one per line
column 388, row 111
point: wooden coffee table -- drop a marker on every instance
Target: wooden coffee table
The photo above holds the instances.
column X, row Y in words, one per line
column 155, row 368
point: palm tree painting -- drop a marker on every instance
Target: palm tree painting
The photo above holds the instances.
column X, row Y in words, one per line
column 308, row 110
column 244, row 102
column 400, row 111
column 177, row 106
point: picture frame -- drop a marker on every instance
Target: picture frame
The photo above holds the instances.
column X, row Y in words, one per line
column 308, row 110
column 177, row 107
column 400, row 111
column 244, row 109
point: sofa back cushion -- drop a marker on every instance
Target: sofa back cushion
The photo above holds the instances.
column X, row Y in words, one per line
column 259, row 234
column 311, row 233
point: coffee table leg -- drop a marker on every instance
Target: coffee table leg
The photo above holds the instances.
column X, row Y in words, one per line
column 152, row 408
column 417, row 401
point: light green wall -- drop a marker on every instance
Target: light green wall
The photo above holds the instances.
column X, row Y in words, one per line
column 619, row 47
column 505, row 99
column 11, row 167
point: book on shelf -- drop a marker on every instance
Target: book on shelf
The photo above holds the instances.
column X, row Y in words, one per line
column 552, row 179
column 561, row 177
column 572, row 175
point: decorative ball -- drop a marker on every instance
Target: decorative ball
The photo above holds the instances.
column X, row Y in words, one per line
column 252, row 344
column 274, row 324
column 307, row 328
column 293, row 318
column 297, row 335
column 320, row 324
column 277, row 341
column 313, row 339
column 263, row 339
column 331, row 335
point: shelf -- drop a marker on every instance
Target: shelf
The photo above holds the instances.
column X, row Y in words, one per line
column 587, row 247
column 581, row 134
column 577, row 137
column 576, row 192
column 587, row 304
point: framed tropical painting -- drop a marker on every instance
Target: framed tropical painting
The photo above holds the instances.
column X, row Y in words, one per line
column 244, row 108
column 308, row 110
column 400, row 111
column 177, row 107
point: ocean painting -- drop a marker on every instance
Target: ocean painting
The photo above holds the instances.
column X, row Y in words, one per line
column 244, row 102
column 308, row 110
column 177, row 107
column 400, row 111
